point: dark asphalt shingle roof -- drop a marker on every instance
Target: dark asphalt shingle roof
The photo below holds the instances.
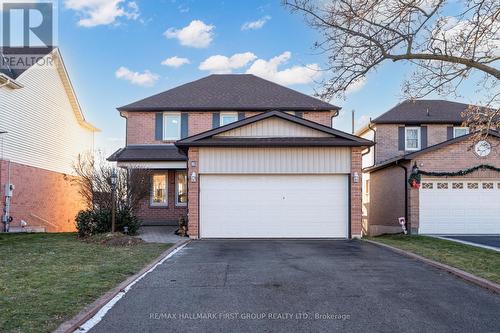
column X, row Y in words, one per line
column 230, row 92
column 424, row 112
column 138, row 153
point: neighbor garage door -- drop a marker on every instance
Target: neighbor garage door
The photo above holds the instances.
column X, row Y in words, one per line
column 460, row 207
column 274, row 206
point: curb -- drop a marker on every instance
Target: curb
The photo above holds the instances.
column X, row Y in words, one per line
column 90, row 310
column 487, row 284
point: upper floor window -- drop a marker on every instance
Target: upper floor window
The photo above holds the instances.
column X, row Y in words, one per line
column 460, row 131
column 228, row 118
column 171, row 126
column 412, row 138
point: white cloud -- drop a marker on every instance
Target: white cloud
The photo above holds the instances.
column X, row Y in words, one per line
column 254, row 25
column 197, row 34
column 293, row 75
column 222, row 65
column 146, row 78
column 102, row 12
column 175, row 62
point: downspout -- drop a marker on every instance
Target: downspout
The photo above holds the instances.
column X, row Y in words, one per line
column 370, row 148
column 408, row 224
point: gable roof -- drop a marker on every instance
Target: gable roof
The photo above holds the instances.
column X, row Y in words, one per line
column 412, row 155
column 338, row 138
column 14, row 73
column 58, row 61
column 415, row 112
column 233, row 92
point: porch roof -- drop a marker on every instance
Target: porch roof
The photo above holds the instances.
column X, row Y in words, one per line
column 143, row 153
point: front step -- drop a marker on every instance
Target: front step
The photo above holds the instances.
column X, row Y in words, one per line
column 14, row 229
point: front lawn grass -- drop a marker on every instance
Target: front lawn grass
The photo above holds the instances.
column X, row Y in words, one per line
column 46, row 279
column 480, row 262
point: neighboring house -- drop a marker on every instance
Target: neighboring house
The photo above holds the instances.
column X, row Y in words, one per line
column 244, row 157
column 45, row 131
column 427, row 135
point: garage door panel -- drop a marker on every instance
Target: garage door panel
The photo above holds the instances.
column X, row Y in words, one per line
column 281, row 206
column 459, row 211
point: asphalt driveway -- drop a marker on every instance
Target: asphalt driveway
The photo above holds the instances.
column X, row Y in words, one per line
column 297, row 286
column 491, row 241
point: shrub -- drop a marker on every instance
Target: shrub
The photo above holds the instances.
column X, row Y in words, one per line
column 97, row 221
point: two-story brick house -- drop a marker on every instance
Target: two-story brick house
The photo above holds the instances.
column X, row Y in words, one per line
column 244, row 157
column 427, row 136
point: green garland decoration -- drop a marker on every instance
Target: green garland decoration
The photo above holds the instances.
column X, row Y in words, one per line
column 458, row 173
column 416, row 176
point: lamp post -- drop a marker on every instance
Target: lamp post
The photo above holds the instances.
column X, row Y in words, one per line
column 113, row 199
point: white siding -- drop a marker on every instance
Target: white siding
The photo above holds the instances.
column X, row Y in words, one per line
column 275, row 160
column 43, row 130
column 274, row 127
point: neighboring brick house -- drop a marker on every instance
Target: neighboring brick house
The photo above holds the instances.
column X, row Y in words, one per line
column 244, row 157
column 427, row 136
column 44, row 130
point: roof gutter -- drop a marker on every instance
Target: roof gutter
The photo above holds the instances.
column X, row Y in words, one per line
column 7, row 81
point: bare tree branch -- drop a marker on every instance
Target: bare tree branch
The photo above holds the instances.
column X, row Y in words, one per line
column 448, row 43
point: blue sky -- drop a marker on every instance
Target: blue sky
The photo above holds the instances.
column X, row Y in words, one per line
column 114, row 52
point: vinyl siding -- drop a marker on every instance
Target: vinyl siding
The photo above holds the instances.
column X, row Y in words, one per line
column 275, row 160
column 43, row 131
column 274, row 128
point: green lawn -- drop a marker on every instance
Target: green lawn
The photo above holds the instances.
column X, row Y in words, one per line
column 480, row 262
column 46, row 279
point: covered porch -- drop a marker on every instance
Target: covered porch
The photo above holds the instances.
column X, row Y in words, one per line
column 167, row 199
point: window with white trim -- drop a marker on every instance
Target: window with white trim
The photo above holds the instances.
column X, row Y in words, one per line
column 181, row 188
column 412, row 138
column 228, row 118
column 460, row 131
column 171, row 126
column 159, row 190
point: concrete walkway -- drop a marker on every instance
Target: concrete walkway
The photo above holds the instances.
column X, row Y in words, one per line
column 159, row 234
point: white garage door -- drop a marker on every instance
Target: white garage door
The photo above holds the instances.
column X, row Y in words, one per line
column 460, row 207
column 273, row 206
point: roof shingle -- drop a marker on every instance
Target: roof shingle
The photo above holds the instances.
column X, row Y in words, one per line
column 147, row 153
column 424, row 112
column 232, row 92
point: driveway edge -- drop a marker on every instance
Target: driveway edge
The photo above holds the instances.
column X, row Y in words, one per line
column 90, row 310
column 487, row 284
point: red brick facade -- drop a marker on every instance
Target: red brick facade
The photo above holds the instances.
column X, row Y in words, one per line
column 141, row 125
column 42, row 198
column 162, row 215
column 140, row 130
column 193, row 194
column 356, row 200
column 323, row 118
column 387, row 185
